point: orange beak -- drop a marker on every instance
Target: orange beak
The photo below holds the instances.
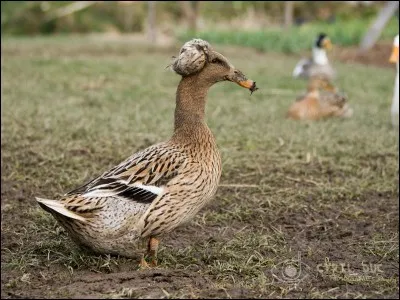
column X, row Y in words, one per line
column 240, row 79
column 327, row 44
column 246, row 84
column 394, row 58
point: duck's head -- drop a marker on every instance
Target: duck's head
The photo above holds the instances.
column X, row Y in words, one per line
column 394, row 58
column 323, row 42
column 197, row 58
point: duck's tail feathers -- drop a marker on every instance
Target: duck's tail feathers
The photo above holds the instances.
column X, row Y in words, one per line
column 59, row 208
column 299, row 68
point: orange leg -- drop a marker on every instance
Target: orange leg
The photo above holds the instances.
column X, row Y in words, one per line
column 143, row 264
column 152, row 248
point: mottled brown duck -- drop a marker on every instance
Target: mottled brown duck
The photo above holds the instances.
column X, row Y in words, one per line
column 322, row 100
column 159, row 188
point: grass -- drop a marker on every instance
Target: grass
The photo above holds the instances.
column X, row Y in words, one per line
column 325, row 193
column 295, row 39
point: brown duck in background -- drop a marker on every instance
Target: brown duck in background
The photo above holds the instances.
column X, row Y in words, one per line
column 322, row 100
column 161, row 187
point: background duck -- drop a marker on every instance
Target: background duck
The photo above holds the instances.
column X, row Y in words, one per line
column 322, row 100
column 318, row 64
column 161, row 187
column 394, row 58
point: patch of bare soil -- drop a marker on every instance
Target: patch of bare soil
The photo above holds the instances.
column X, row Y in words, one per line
column 378, row 55
column 347, row 250
column 327, row 232
column 147, row 283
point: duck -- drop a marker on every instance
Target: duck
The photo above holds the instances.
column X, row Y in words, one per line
column 322, row 100
column 318, row 64
column 130, row 206
column 394, row 58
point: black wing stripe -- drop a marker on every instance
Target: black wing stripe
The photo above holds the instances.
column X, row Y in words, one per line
column 138, row 194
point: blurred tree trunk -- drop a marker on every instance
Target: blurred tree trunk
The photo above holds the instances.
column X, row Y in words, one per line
column 191, row 12
column 151, row 21
column 379, row 24
column 128, row 16
column 288, row 17
column 69, row 9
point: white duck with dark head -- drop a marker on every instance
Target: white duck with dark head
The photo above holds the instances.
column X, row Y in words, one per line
column 318, row 64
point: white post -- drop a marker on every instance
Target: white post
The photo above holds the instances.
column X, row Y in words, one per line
column 151, row 21
column 288, row 17
column 378, row 25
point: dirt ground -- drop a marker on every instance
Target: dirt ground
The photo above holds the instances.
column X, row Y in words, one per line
column 306, row 215
column 324, row 231
column 377, row 55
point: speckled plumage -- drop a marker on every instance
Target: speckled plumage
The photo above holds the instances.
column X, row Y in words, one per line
column 322, row 100
column 161, row 187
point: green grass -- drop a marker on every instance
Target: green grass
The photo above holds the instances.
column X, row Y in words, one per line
column 327, row 191
column 344, row 33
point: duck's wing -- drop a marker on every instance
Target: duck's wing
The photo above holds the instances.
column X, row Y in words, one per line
column 141, row 178
column 302, row 67
column 337, row 99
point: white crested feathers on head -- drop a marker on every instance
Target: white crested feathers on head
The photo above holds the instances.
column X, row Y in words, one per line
column 192, row 57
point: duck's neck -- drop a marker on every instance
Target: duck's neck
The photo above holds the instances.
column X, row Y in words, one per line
column 191, row 98
column 319, row 56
